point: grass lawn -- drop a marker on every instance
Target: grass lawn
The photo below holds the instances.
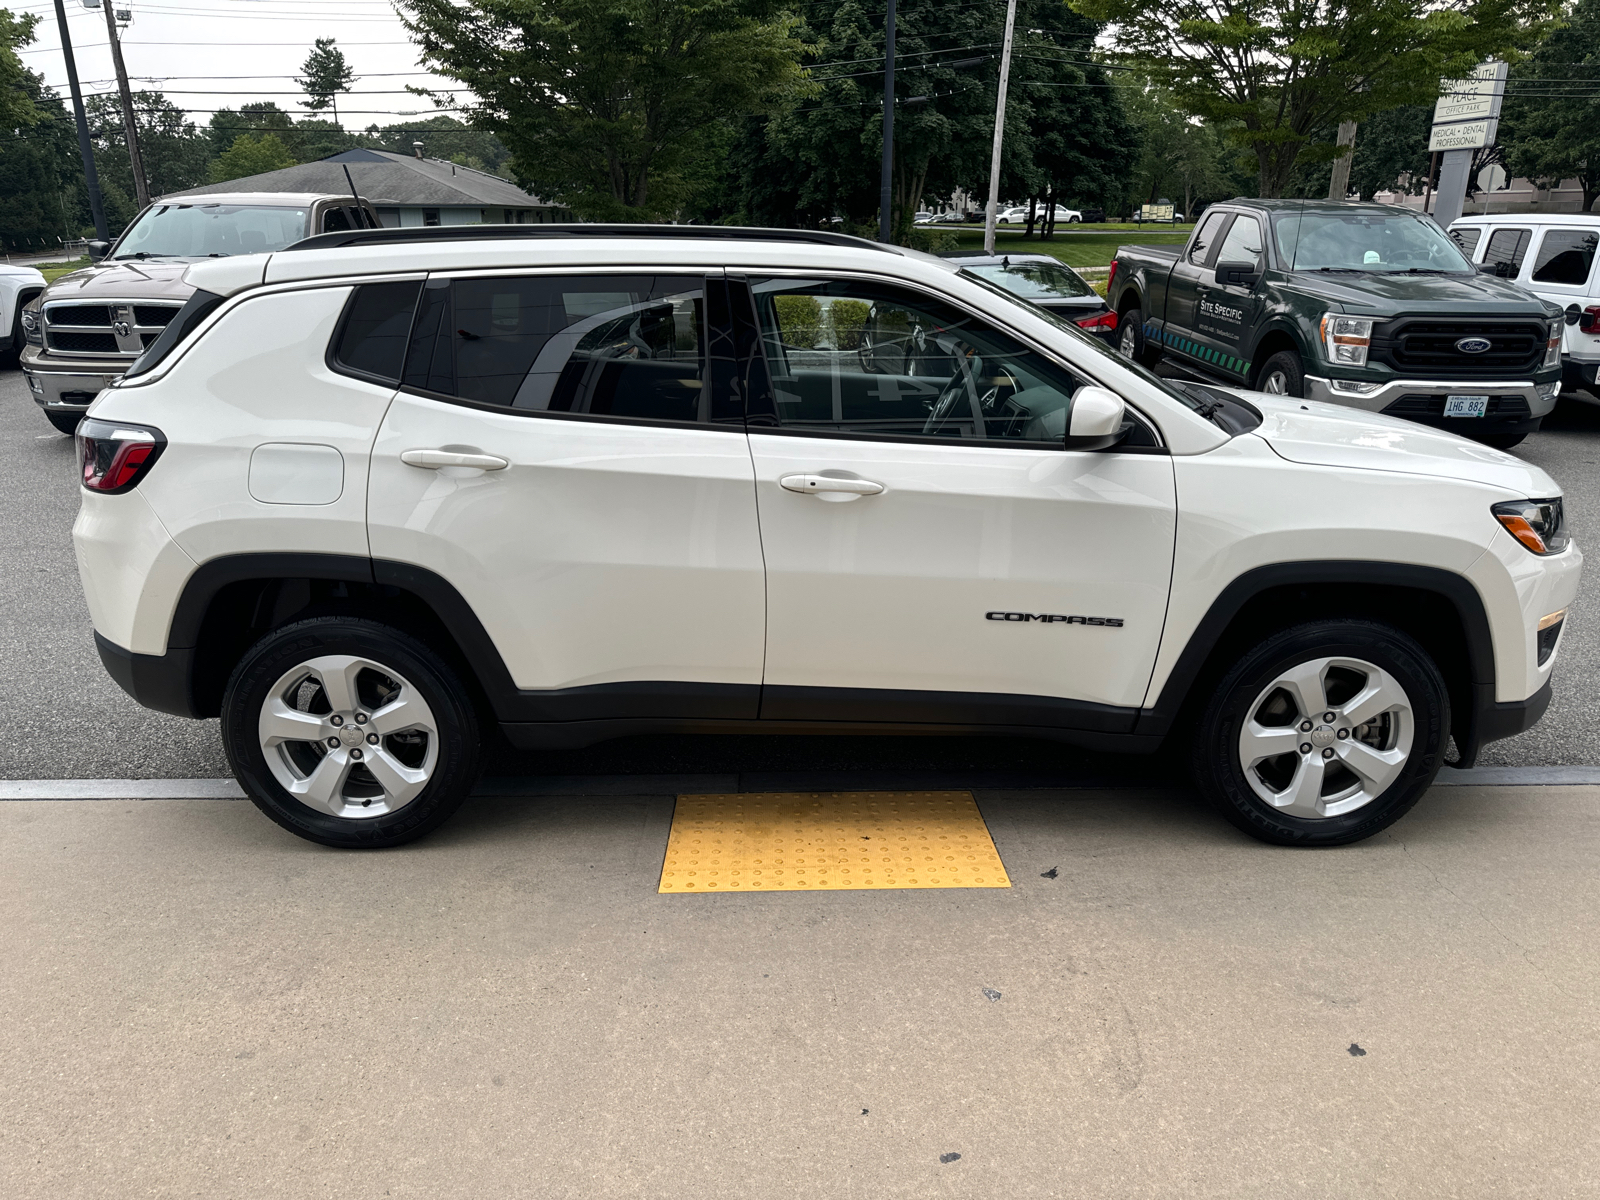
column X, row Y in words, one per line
column 55, row 271
column 1094, row 247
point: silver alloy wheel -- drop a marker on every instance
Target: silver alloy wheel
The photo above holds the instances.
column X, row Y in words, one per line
column 1276, row 382
column 1128, row 344
column 348, row 736
column 1326, row 737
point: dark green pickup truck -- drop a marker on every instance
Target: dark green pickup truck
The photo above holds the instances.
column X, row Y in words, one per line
column 1364, row 305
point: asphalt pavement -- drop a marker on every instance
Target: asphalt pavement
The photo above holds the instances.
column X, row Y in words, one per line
column 66, row 719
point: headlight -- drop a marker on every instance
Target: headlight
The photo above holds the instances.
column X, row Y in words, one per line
column 30, row 327
column 1540, row 525
column 1346, row 339
column 1552, row 348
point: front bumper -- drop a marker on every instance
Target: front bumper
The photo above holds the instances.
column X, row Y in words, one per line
column 68, row 385
column 1493, row 720
column 1515, row 406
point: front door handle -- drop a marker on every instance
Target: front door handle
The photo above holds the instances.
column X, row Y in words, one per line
column 829, row 483
column 432, row 460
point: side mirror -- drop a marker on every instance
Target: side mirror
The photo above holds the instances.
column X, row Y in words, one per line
column 1500, row 270
column 1098, row 421
column 1238, row 274
column 97, row 249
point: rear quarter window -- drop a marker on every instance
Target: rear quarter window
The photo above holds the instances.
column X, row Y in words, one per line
column 370, row 341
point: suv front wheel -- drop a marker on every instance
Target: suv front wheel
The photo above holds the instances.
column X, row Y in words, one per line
column 1323, row 734
column 350, row 733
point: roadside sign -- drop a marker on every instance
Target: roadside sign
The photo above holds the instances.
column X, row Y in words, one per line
column 1465, row 135
column 1492, row 178
column 1473, row 99
column 1157, row 212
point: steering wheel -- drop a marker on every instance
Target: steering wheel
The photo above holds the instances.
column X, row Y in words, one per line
column 944, row 405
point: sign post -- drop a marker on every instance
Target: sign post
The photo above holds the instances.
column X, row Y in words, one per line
column 1465, row 119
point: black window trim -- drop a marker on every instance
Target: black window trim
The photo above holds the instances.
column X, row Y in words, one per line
column 331, row 361
column 747, row 272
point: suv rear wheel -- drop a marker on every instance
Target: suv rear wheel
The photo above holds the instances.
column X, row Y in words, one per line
column 1323, row 734
column 350, row 733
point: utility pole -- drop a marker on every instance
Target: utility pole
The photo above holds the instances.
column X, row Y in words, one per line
column 999, row 130
column 141, row 188
column 91, row 177
column 1339, row 182
column 886, row 187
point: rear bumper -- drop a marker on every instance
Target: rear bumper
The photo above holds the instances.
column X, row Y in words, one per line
column 1399, row 398
column 1576, row 374
column 1493, row 720
column 158, row 681
column 69, row 386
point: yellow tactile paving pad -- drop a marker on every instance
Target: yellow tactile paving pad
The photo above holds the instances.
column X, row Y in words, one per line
column 829, row 841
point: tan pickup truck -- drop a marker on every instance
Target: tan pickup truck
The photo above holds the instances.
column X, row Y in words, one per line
column 87, row 327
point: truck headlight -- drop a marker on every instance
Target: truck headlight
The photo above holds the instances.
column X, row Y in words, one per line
column 1346, row 339
column 1540, row 525
column 30, row 327
column 1552, row 348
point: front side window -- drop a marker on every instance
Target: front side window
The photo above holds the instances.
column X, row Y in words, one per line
column 860, row 358
column 1365, row 241
column 629, row 346
column 1508, row 247
column 1243, row 244
column 1200, row 248
column 1565, row 256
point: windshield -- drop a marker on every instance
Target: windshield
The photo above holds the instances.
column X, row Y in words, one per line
column 200, row 230
column 1382, row 243
column 1035, row 280
column 1197, row 403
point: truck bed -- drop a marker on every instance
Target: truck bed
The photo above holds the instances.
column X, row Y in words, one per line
column 1169, row 252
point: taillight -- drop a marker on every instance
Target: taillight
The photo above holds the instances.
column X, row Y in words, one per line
column 113, row 456
column 1111, row 276
column 1106, row 321
column 1589, row 321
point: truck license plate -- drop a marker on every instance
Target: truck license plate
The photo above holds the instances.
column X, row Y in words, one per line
column 1465, row 406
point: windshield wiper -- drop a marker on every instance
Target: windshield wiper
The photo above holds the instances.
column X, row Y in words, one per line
column 136, row 254
column 1345, row 270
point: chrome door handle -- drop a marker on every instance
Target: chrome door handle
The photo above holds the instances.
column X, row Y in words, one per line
column 432, row 460
column 828, row 483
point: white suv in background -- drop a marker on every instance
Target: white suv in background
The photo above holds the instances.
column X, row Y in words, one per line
column 372, row 495
column 1552, row 255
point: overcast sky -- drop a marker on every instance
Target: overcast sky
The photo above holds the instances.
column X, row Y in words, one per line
column 211, row 54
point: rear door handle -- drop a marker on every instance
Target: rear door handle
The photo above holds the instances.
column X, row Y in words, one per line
column 828, row 483
column 432, row 460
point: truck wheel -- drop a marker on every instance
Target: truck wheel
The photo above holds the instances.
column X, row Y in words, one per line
column 1282, row 375
column 1323, row 734
column 350, row 733
column 1131, row 343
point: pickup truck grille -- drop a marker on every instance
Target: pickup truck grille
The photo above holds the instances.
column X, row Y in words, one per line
column 116, row 329
column 1418, row 347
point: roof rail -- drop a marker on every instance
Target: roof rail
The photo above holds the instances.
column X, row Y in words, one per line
column 470, row 233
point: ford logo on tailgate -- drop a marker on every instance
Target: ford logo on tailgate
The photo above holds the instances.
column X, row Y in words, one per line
column 1473, row 345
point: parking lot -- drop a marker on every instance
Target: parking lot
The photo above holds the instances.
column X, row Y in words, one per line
column 203, row 1005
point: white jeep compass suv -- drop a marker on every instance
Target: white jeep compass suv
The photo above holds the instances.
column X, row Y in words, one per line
column 370, row 495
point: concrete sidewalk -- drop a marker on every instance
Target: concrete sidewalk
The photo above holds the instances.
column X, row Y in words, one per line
column 201, row 1005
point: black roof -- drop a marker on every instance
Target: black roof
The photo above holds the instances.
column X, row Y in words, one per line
column 471, row 233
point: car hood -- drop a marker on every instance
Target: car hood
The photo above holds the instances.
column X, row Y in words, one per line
column 159, row 279
column 1330, row 435
column 1393, row 295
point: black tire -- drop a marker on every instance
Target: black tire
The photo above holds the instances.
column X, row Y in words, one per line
column 456, row 748
column 1502, row 441
column 1217, row 759
column 66, row 422
column 1131, row 342
column 1284, row 366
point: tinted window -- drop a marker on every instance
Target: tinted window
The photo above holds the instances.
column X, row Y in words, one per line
column 1243, row 243
column 1565, row 256
column 607, row 345
column 372, row 337
column 853, row 357
column 1467, row 238
column 1207, row 235
column 1508, row 246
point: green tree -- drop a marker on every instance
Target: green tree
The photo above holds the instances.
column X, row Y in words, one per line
column 175, row 153
column 1186, row 160
column 251, row 155
column 604, row 103
column 16, row 104
column 1549, row 128
column 227, row 125
column 441, row 137
column 1280, row 75
column 326, row 75
column 41, row 196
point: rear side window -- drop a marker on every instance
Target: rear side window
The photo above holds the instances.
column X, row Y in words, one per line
column 1200, row 249
column 1467, row 238
column 629, row 346
column 1565, row 256
column 1508, row 246
column 371, row 340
